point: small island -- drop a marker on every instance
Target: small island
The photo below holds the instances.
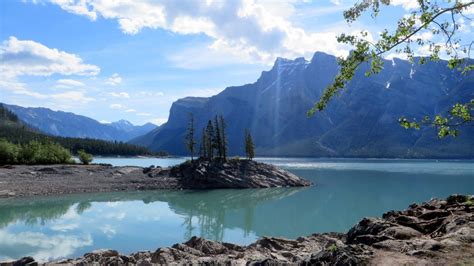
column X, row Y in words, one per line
column 33, row 180
column 212, row 170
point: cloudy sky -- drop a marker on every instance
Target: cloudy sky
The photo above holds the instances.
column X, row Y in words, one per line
column 120, row 59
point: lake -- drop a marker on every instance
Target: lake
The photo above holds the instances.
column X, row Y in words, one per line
column 345, row 190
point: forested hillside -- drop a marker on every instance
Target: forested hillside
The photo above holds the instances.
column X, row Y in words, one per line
column 15, row 131
column 67, row 124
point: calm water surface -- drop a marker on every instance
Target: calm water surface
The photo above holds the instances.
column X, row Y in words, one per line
column 346, row 190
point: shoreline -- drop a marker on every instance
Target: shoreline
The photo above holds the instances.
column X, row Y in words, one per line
column 439, row 232
column 48, row 180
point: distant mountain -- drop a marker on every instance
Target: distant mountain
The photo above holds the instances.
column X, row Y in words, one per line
column 360, row 122
column 134, row 131
column 14, row 130
column 65, row 124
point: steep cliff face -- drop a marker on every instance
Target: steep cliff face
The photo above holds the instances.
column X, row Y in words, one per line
column 361, row 121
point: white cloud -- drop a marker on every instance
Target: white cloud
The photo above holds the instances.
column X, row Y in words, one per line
column 25, row 57
column 159, row 121
column 64, row 227
column 130, row 110
column 406, row 4
column 20, row 58
column 81, row 9
column 117, row 216
column 151, row 93
column 43, row 247
column 144, row 114
column 21, row 89
column 108, row 230
column 255, row 30
column 114, row 80
column 76, row 96
column 117, row 106
column 67, row 83
column 122, row 94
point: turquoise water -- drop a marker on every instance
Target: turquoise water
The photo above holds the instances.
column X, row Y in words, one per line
column 345, row 191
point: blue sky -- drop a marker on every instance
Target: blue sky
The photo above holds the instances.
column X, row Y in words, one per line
column 131, row 59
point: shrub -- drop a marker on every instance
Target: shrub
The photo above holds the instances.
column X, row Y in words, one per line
column 9, row 152
column 34, row 153
column 84, row 157
column 53, row 153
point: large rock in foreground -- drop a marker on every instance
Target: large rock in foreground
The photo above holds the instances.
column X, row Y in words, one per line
column 234, row 174
column 438, row 232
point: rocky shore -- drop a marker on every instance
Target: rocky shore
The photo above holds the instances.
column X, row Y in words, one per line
column 26, row 180
column 437, row 232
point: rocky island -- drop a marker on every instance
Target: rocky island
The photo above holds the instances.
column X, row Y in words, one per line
column 439, row 232
column 32, row 180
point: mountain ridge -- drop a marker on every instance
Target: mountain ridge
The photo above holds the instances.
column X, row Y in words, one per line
column 68, row 124
column 360, row 122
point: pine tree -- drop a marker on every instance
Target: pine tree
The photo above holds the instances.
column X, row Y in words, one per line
column 190, row 141
column 203, row 145
column 249, row 146
column 209, row 140
column 218, row 138
column 223, row 138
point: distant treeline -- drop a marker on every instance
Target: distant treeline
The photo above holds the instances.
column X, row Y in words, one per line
column 12, row 130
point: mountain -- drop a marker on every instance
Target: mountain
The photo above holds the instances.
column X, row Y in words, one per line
column 65, row 124
column 360, row 122
column 12, row 129
column 132, row 130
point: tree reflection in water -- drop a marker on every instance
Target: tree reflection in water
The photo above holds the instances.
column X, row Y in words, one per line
column 206, row 210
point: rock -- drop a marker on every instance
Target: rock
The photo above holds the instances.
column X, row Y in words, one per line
column 48, row 170
column 205, row 246
column 25, row 261
column 7, row 193
column 367, row 230
column 102, row 256
column 146, row 170
column 202, row 174
column 401, row 232
column 103, row 253
column 454, row 199
column 338, row 256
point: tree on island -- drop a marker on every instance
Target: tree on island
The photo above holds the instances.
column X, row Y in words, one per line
column 210, row 140
column 249, row 146
column 442, row 21
column 214, row 140
column 189, row 139
column 202, row 145
column 223, row 138
column 217, row 142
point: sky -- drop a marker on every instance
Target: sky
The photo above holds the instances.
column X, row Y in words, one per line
column 112, row 60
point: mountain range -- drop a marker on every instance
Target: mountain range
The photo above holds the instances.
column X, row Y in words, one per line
column 66, row 124
column 362, row 121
